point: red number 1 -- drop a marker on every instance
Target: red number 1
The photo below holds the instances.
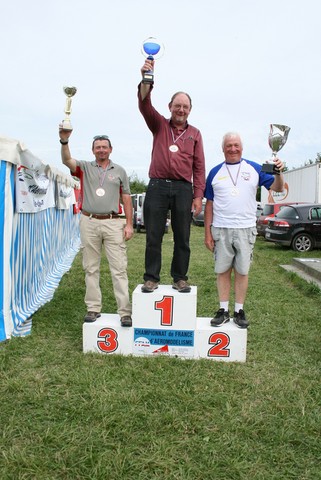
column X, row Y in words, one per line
column 166, row 307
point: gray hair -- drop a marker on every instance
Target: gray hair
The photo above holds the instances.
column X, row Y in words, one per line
column 231, row 134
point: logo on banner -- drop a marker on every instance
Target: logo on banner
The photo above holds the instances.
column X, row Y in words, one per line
column 34, row 190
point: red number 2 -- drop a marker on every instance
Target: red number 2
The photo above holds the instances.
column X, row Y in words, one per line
column 220, row 342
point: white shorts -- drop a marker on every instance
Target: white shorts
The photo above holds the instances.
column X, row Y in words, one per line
column 233, row 248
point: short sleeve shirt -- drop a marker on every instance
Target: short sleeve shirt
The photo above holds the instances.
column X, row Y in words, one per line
column 113, row 180
column 232, row 188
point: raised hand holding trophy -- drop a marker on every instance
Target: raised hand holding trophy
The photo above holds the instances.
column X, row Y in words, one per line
column 151, row 49
column 277, row 139
column 69, row 92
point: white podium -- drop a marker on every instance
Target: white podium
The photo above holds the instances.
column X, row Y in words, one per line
column 165, row 323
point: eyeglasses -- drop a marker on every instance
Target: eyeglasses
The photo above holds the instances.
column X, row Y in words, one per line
column 101, row 137
column 186, row 108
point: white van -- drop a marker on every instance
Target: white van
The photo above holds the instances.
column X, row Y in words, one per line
column 138, row 210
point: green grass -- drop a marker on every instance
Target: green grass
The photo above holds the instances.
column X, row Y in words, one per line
column 67, row 415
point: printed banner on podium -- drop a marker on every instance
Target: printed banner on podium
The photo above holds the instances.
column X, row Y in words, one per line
column 150, row 341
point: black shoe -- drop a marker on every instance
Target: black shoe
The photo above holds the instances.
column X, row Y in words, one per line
column 149, row 286
column 240, row 319
column 126, row 321
column 182, row 286
column 91, row 317
column 222, row 316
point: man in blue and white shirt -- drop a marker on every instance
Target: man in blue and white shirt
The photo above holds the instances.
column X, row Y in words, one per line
column 230, row 222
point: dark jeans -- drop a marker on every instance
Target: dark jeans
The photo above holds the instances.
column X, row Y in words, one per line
column 161, row 196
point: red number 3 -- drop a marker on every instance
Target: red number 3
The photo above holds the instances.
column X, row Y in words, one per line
column 109, row 342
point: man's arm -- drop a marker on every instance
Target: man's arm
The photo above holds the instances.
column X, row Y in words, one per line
column 65, row 152
column 145, row 87
column 128, row 209
column 199, row 180
column 278, row 184
column 208, row 220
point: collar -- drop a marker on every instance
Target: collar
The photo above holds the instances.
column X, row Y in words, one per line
column 109, row 166
column 233, row 163
column 181, row 129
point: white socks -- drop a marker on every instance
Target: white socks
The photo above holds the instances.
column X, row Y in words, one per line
column 238, row 306
column 224, row 305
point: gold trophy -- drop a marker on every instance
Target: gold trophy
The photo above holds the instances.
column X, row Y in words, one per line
column 69, row 92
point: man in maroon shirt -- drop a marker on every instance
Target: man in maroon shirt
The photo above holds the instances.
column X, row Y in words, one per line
column 177, row 182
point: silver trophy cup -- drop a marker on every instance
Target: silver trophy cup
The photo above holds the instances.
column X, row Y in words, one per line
column 277, row 139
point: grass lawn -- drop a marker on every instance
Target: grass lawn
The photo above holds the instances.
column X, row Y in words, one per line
column 67, row 415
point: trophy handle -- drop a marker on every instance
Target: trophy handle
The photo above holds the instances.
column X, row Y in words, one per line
column 68, row 106
column 69, row 92
column 148, row 77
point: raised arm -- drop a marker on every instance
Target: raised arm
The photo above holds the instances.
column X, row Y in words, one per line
column 145, row 87
column 65, row 152
column 278, row 184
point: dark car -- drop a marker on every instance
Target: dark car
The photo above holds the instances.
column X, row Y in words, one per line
column 296, row 226
column 269, row 210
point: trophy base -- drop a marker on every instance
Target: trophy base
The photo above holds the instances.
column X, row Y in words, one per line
column 270, row 168
column 66, row 126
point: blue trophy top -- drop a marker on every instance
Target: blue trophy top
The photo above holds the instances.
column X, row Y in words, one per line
column 151, row 48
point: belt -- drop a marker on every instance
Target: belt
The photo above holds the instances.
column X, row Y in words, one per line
column 169, row 180
column 99, row 217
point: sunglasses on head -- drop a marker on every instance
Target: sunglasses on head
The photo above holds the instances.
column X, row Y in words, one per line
column 101, row 137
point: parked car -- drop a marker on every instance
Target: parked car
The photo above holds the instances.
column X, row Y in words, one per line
column 297, row 226
column 269, row 210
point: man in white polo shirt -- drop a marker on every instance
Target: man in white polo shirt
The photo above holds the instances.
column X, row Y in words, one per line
column 230, row 222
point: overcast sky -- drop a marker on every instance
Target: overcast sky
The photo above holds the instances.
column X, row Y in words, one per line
column 246, row 64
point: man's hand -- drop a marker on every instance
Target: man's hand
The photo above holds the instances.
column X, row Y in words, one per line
column 128, row 232
column 196, row 206
column 209, row 242
column 148, row 66
column 279, row 164
column 64, row 134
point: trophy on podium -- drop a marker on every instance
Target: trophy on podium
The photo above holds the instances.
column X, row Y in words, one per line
column 69, row 92
column 151, row 49
column 277, row 139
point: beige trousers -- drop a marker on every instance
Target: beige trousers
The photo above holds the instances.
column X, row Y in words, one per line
column 94, row 235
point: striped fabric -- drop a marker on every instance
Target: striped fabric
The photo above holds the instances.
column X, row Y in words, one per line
column 36, row 250
column 7, row 175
